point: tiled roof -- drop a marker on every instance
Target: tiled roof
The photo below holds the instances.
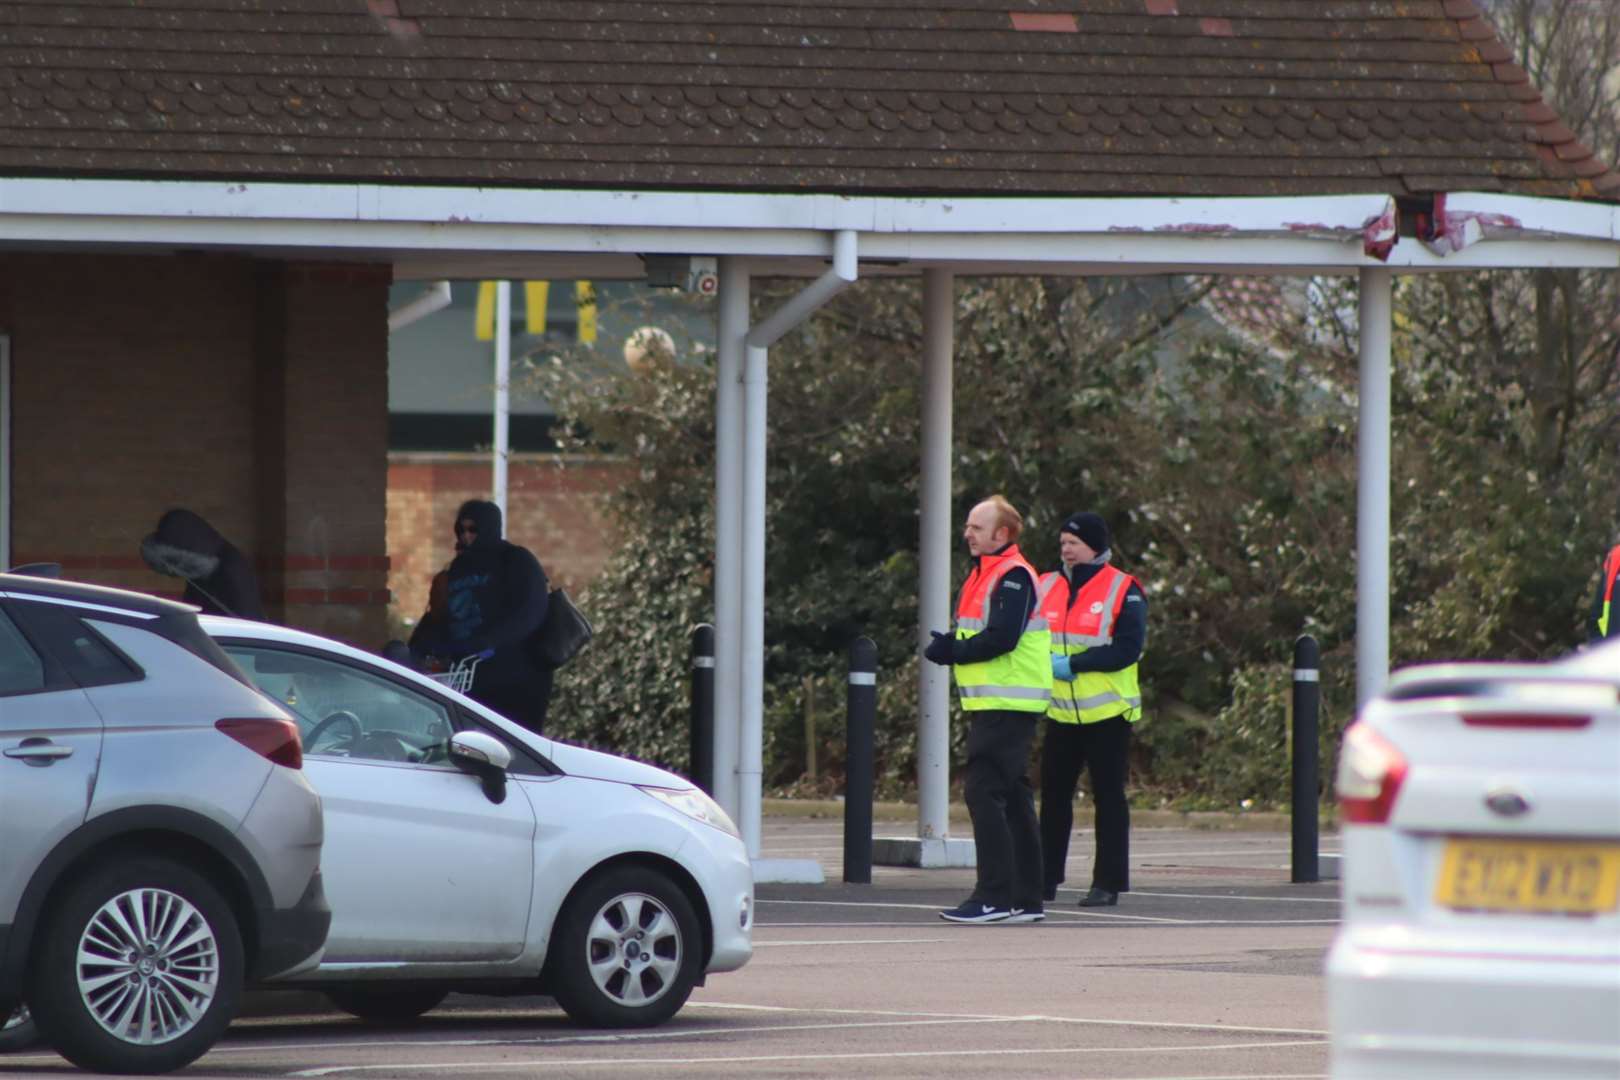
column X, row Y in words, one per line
column 1082, row 97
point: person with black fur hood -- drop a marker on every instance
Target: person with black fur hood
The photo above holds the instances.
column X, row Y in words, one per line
column 217, row 575
column 496, row 599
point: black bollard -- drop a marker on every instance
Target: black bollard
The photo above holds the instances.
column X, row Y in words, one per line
column 702, row 749
column 1307, row 701
column 858, row 764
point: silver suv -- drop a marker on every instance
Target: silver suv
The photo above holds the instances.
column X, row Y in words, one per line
column 159, row 844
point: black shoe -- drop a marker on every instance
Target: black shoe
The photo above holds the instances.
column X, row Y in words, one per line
column 1099, row 898
column 975, row 911
column 1050, row 893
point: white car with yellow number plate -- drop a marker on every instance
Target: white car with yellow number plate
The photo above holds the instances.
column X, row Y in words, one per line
column 1481, row 837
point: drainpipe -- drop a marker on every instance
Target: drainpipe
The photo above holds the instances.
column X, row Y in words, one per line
column 752, row 644
column 436, row 298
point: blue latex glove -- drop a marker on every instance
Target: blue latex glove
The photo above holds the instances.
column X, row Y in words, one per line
column 1060, row 668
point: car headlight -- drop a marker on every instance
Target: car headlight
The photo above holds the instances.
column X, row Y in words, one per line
column 694, row 804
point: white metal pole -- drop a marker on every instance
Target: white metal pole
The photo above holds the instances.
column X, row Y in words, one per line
column 728, row 458
column 1372, row 485
column 751, row 715
column 934, row 584
column 503, row 392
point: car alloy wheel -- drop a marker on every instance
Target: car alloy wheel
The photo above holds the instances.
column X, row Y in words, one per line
column 635, row 949
column 139, row 968
column 148, row 966
column 626, row 951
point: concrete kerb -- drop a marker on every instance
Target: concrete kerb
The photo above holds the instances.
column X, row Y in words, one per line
column 890, row 813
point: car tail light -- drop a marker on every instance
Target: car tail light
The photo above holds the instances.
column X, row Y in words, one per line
column 275, row 739
column 1370, row 775
column 1526, row 720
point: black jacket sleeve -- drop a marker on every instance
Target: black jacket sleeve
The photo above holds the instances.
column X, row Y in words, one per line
column 429, row 638
column 1010, row 606
column 526, row 584
column 1130, row 635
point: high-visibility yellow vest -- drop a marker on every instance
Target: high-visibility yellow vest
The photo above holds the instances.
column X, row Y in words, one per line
column 1611, row 571
column 1086, row 623
column 1020, row 680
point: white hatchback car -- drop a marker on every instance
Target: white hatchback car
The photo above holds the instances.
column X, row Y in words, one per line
column 1481, row 838
column 466, row 853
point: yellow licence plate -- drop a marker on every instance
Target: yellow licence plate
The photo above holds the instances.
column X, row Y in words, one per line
column 1529, row 876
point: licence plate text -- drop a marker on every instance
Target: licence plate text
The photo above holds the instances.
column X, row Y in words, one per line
column 1529, row 876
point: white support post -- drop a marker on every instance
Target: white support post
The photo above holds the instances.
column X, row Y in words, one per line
column 932, row 846
column 751, row 715
column 503, row 393
column 934, row 583
column 751, row 649
column 728, row 458
column 1376, row 313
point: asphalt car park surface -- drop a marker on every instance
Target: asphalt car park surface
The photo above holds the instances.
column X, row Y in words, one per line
column 1211, row 967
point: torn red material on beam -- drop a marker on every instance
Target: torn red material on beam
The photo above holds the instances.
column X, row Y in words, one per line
column 1378, row 234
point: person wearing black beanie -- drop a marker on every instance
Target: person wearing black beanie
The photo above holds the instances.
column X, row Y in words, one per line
column 1097, row 616
column 496, row 597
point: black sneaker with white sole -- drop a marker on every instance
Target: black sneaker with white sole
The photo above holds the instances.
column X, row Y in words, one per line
column 975, row 911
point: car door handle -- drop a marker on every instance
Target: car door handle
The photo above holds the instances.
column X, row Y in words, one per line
column 42, row 751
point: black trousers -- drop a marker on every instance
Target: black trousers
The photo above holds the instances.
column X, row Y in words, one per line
column 524, row 703
column 1103, row 749
column 1006, row 835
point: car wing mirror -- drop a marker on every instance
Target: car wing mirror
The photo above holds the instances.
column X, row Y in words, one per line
column 485, row 757
column 474, row 747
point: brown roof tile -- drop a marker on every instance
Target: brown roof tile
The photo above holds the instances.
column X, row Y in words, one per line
column 1103, row 97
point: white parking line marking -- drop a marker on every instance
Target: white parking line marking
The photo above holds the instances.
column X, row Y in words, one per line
column 858, row 941
column 936, row 907
column 1093, row 1021
column 661, row 1035
column 1214, row 896
column 739, row 1059
column 1055, row 915
column 902, row 1018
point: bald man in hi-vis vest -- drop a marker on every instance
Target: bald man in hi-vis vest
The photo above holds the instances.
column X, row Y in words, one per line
column 1001, row 656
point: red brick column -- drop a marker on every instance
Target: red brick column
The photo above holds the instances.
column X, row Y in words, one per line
column 322, row 435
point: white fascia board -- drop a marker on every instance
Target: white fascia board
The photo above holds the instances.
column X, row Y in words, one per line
column 270, row 203
column 1104, row 253
column 1499, row 253
column 1522, row 215
column 1285, row 234
column 1119, row 254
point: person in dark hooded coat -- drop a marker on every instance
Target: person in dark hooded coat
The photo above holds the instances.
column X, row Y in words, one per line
column 496, row 598
column 217, row 575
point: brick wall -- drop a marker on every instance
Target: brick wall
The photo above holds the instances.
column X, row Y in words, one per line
column 556, row 509
column 253, row 393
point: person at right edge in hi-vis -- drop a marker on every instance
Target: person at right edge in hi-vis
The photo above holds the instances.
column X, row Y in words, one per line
column 1604, row 622
column 1001, row 654
column 1098, row 618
